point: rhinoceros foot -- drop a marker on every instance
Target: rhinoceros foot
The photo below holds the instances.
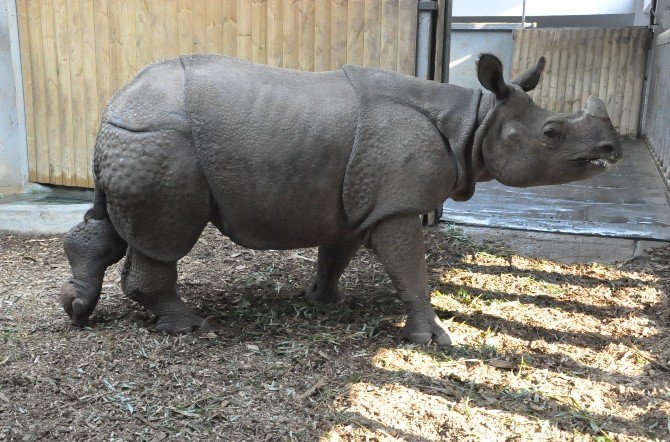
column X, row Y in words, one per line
column 423, row 331
column 190, row 323
column 79, row 299
column 318, row 296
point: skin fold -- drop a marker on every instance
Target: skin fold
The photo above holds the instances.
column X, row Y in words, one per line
column 282, row 159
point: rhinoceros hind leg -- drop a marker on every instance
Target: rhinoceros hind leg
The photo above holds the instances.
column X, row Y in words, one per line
column 151, row 283
column 333, row 259
column 91, row 246
column 398, row 242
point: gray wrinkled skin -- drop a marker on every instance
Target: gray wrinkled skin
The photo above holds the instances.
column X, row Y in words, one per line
column 281, row 159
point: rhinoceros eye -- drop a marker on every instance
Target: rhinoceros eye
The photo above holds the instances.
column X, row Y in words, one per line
column 552, row 132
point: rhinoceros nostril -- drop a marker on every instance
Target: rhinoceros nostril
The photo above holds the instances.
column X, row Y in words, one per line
column 607, row 147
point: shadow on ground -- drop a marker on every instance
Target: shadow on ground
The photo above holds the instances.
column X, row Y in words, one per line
column 545, row 351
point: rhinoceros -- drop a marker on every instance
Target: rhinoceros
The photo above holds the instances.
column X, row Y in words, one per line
column 282, row 159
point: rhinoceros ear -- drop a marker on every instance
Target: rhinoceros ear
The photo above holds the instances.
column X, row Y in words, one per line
column 531, row 77
column 490, row 75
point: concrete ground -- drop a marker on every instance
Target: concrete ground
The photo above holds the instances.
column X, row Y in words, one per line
column 43, row 210
column 611, row 217
column 560, row 247
column 629, row 201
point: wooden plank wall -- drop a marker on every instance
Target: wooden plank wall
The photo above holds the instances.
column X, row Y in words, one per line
column 608, row 63
column 76, row 53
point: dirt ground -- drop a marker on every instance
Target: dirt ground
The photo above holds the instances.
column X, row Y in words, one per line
column 545, row 351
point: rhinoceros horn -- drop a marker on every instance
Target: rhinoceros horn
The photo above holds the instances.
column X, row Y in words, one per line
column 596, row 108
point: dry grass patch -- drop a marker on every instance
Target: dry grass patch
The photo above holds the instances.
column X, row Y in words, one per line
column 545, row 351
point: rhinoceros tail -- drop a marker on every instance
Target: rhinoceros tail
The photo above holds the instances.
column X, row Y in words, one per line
column 99, row 209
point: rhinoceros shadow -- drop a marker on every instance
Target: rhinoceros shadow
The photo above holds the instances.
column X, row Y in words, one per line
column 246, row 305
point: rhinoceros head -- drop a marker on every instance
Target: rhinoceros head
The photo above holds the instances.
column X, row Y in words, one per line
column 524, row 145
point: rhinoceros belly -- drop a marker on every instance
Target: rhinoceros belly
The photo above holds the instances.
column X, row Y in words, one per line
column 274, row 146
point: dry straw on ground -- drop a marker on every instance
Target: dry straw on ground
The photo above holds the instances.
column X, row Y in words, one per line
column 546, row 351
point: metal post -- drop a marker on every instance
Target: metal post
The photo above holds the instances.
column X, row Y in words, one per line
column 446, row 41
column 424, row 39
column 648, row 63
column 426, row 58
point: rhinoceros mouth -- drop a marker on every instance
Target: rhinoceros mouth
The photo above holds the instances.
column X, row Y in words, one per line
column 601, row 162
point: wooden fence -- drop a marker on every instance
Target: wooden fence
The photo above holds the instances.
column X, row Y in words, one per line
column 75, row 54
column 608, row 63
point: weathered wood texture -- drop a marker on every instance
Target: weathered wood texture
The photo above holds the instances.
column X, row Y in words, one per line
column 76, row 54
column 608, row 63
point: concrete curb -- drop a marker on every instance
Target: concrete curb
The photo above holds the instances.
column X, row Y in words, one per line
column 566, row 248
column 40, row 219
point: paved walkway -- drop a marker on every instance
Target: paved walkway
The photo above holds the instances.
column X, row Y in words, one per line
column 630, row 201
column 45, row 211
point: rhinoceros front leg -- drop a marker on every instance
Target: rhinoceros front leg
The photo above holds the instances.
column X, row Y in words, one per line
column 151, row 283
column 398, row 242
column 333, row 259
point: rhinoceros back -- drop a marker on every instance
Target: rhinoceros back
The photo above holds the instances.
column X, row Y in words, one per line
column 153, row 100
column 274, row 145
